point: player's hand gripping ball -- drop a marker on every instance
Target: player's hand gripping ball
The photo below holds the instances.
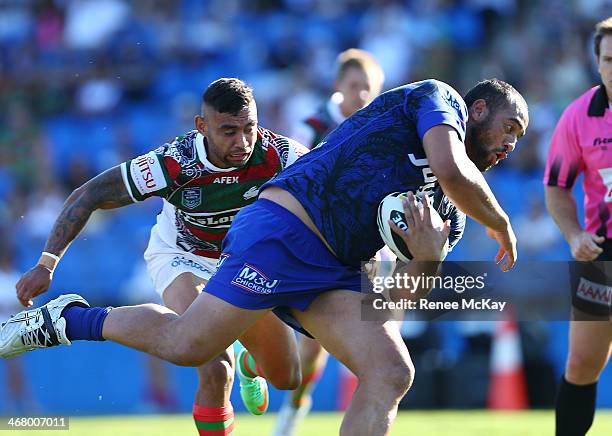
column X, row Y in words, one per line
column 391, row 208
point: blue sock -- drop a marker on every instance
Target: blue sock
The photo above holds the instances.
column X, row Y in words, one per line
column 85, row 323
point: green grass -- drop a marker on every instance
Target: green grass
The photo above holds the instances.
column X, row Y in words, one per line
column 456, row 423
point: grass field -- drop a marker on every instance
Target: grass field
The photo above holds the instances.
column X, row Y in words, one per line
column 472, row 423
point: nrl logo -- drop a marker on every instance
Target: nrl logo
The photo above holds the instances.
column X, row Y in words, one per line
column 191, row 197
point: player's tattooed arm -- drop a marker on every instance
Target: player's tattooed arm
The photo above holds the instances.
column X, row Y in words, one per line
column 105, row 191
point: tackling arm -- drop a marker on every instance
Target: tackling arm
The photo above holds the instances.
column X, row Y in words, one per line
column 105, row 191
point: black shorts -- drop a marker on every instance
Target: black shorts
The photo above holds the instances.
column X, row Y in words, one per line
column 592, row 285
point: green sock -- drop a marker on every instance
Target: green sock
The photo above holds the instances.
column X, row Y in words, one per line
column 248, row 365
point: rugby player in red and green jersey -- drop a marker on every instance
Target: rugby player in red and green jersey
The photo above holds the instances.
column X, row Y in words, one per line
column 204, row 177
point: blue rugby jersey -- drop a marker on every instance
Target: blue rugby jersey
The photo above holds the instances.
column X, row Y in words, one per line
column 376, row 151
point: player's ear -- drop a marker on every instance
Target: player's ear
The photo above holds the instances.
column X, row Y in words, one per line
column 200, row 124
column 479, row 110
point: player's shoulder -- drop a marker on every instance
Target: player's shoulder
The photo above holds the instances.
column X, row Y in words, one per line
column 434, row 91
column 266, row 136
column 279, row 142
column 425, row 87
column 580, row 106
column 447, row 92
column 182, row 149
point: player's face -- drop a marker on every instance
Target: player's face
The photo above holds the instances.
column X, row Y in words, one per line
column 357, row 90
column 604, row 63
column 491, row 137
column 230, row 138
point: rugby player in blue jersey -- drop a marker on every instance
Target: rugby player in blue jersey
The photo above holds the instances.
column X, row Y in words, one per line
column 298, row 248
column 359, row 80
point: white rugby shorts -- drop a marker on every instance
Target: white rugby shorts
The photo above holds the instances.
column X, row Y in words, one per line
column 165, row 262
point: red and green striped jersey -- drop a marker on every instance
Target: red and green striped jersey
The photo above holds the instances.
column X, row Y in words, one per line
column 200, row 199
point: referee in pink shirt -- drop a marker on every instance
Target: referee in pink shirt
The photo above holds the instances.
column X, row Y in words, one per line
column 582, row 143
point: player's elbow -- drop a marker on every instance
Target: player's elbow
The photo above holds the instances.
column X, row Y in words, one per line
column 77, row 194
column 83, row 198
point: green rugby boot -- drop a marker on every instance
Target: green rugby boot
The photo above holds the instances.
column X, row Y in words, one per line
column 253, row 388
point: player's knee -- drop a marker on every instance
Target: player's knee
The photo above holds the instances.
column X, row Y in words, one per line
column 287, row 378
column 395, row 375
column 401, row 377
column 217, row 375
column 583, row 367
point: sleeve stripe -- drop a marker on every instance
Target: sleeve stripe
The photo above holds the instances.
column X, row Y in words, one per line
column 604, row 217
column 126, row 181
column 553, row 175
column 571, row 175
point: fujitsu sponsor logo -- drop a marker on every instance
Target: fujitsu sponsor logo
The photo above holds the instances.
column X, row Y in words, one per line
column 594, row 292
column 146, row 173
column 144, row 163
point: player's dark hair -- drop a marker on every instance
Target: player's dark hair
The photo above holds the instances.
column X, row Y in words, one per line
column 228, row 95
column 602, row 29
column 496, row 93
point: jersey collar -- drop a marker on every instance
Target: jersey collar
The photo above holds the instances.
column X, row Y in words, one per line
column 599, row 103
column 201, row 149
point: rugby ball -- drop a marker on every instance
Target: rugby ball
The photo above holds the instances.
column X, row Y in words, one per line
column 391, row 208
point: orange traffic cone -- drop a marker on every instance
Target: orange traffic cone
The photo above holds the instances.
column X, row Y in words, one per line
column 346, row 387
column 507, row 388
